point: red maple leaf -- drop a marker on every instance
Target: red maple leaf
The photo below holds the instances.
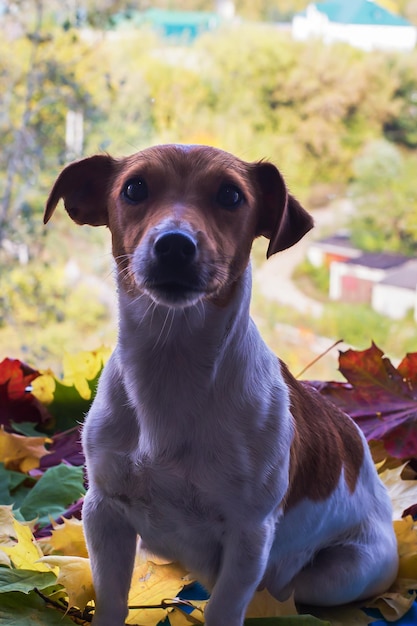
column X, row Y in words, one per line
column 17, row 404
column 381, row 398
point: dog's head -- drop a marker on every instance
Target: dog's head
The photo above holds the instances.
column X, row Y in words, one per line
column 182, row 218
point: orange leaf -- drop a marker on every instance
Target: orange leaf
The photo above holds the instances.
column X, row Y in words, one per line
column 21, row 453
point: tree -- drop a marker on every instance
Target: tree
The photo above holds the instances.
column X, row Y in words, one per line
column 401, row 127
column 385, row 196
column 40, row 80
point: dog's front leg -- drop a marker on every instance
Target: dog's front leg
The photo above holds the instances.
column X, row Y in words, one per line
column 111, row 545
column 244, row 560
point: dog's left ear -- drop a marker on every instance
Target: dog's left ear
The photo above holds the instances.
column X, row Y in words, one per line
column 282, row 219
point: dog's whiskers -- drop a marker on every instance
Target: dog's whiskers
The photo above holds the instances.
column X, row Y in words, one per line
column 200, row 308
column 160, row 336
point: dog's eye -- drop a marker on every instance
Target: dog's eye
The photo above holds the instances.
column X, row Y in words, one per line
column 135, row 190
column 229, row 196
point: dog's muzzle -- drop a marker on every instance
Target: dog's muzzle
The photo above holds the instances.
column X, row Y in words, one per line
column 175, row 249
column 172, row 273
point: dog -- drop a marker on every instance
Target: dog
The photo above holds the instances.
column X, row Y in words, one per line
column 199, row 439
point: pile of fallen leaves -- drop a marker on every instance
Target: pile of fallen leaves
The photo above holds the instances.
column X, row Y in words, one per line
column 45, row 575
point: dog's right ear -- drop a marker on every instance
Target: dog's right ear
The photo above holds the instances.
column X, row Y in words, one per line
column 83, row 186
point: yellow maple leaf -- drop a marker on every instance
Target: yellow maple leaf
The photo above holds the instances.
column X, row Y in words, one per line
column 82, row 367
column 406, row 532
column 151, row 584
column 21, row 453
column 7, row 528
column 66, row 539
column 25, row 552
column 75, row 576
column 396, row 601
column 265, row 605
column 7, row 532
column 43, row 387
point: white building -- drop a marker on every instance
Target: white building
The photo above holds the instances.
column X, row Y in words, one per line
column 361, row 23
column 396, row 294
column 354, row 280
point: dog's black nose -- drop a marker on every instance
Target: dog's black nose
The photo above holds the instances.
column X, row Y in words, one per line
column 175, row 248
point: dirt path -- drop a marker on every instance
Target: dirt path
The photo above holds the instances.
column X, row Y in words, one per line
column 274, row 277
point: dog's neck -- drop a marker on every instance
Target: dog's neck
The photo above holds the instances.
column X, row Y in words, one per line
column 181, row 359
column 149, row 330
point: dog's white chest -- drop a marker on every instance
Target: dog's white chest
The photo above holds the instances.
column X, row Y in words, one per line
column 174, row 517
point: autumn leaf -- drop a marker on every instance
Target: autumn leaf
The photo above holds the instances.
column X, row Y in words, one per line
column 15, row 376
column 16, row 403
column 406, row 532
column 381, row 399
column 7, row 533
column 25, row 553
column 403, row 493
column 343, row 616
column 64, row 447
column 69, row 398
column 82, row 368
column 56, row 493
column 73, row 511
column 21, row 453
column 393, row 605
column 7, row 527
column 59, row 487
column 43, row 387
column 66, row 539
column 75, row 576
column 24, row 581
column 151, row 584
column 20, row 609
column 263, row 604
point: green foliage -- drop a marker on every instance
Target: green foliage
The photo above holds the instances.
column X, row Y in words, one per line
column 401, row 127
column 42, row 76
column 385, row 195
column 14, row 486
column 68, row 405
column 313, row 280
column 51, row 496
column 41, row 500
column 44, row 311
column 247, row 88
column 355, row 324
column 39, row 295
column 19, row 609
column 24, row 581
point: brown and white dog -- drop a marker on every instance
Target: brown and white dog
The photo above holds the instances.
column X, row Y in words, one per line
column 199, row 438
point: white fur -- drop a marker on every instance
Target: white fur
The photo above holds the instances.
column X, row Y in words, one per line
column 188, row 443
column 198, row 438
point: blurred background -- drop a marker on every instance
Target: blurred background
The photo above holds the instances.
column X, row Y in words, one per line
column 326, row 90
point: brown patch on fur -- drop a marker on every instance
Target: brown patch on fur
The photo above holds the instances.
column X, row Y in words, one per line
column 326, row 441
column 186, row 178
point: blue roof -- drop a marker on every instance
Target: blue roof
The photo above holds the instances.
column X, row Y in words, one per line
column 360, row 12
column 182, row 24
